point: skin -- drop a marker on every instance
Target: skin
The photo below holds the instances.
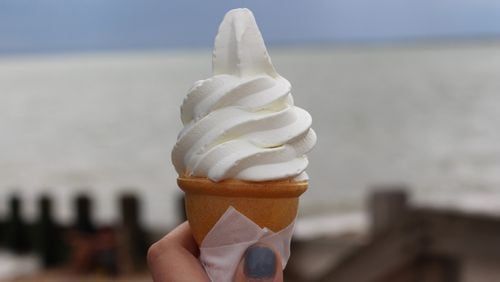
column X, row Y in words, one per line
column 175, row 258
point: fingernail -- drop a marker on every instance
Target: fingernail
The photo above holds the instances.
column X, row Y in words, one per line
column 260, row 263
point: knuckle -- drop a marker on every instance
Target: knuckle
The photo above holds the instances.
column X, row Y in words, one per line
column 158, row 249
column 153, row 252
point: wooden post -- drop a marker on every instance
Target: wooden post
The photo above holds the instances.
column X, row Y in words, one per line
column 388, row 208
column 49, row 243
column 133, row 243
column 81, row 237
column 83, row 221
column 17, row 233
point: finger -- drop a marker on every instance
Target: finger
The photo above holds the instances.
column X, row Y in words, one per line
column 174, row 257
column 259, row 263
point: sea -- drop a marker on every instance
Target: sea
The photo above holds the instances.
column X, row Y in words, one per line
column 421, row 116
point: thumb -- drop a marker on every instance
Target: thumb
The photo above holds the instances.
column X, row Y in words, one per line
column 259, row 263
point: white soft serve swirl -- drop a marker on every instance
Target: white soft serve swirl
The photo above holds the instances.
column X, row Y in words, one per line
column 242, row 123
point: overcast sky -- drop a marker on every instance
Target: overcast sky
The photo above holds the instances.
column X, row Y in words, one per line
column 88, row 25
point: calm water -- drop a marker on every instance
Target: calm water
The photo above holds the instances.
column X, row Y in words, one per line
column 425, row 116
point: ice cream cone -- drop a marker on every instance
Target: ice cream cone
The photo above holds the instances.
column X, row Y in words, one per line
column 271, row 204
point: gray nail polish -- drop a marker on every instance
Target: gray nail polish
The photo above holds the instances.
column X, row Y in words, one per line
column 260, row 263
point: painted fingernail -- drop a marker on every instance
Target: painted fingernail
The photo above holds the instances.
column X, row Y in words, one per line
column 260, row 263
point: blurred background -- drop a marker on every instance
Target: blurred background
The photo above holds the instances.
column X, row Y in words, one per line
column 404, row 97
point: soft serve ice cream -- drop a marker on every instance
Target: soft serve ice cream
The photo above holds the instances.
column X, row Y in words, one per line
column 241, row 155
column 242, row 123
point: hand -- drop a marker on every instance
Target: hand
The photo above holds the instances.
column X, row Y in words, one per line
column 174, row 258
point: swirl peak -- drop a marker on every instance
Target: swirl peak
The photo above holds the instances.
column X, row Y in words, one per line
column 239, row 48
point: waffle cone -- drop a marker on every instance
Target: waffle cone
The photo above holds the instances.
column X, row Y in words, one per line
column 271, row 204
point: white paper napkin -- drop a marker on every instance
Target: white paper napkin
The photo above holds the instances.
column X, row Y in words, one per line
column 226, row 243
